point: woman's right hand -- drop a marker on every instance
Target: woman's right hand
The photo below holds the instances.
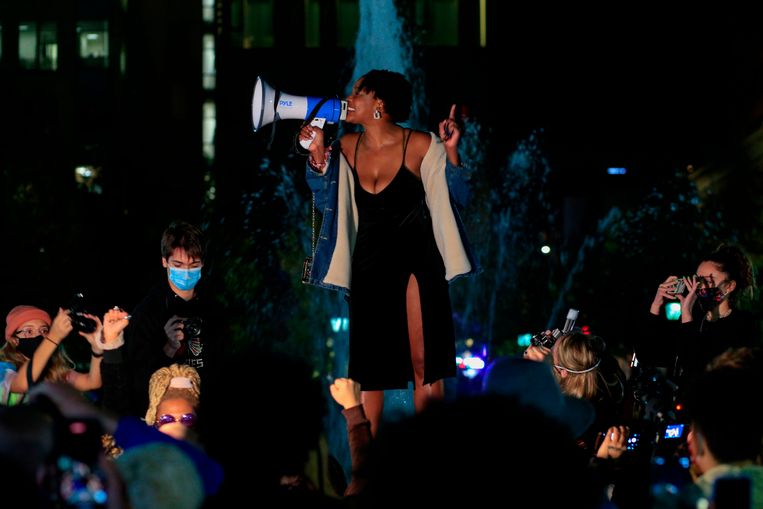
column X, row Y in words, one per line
column 114, row 322
column 537, row 353
column 61, row 326
column 346, row 392
column 316, row 147
column 664, row 292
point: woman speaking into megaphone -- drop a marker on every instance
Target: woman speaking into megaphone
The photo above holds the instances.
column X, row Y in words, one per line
column 391, row 238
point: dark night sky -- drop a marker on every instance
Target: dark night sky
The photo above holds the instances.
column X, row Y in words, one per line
column 655, row 87
column 650, row 89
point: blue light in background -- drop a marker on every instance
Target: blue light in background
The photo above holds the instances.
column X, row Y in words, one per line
column 338, row 324
column 616, row 171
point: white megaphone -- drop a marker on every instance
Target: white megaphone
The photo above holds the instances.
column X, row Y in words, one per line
column 269, row 104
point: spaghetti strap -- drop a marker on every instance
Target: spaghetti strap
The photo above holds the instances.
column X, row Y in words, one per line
column 405, row 144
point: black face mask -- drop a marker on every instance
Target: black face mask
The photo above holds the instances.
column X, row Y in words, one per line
column 27, row 346
column 709, row 298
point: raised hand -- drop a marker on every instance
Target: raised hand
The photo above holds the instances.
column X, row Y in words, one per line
column 688, row 300
column 346, row 392
column 114, row 322
column 61, row 326
column 664, row 292
column 450, row 132
column 537, row 353
column 95, row 337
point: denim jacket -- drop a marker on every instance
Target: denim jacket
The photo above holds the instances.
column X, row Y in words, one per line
column 334, row 198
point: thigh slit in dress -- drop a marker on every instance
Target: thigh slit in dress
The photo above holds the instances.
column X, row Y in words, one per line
column 394, row 241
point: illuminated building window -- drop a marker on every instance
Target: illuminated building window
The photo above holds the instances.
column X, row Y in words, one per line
column 438, row 22
column 347, row 21
column 208, row 10
column 208, row 130
column 28, row 45
column 38, row 45
column 48, row 46
column 483, row 23
column 208, row 72
column 93, row 38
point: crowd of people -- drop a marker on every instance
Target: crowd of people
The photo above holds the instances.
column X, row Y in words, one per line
column 559, row 423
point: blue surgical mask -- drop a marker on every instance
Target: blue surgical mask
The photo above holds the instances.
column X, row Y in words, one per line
column 185, row 279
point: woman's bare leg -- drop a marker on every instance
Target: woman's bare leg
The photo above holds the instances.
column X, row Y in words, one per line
column 373, row 406
column 422, row 394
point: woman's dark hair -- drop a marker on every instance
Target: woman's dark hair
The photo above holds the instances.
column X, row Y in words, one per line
column 183, row 235
column 733, row 261
column 392, row 88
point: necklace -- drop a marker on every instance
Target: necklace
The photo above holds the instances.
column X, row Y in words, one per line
column 709, row 316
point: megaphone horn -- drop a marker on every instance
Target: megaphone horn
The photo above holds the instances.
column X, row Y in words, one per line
column 269, row 104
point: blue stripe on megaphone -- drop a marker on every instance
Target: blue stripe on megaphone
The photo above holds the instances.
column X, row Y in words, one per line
column 331, row 110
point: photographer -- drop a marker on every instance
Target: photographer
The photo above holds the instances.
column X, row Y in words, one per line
column 33, row 342
column 584, row 369
column 724, row 441
column 173, row 324
column 711, row 321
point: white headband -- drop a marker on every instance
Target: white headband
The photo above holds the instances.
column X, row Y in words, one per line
column 579, row 372
column 181, row 382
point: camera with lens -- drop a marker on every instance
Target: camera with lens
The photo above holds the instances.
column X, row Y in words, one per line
column 679, row 286
column 548, row 341
column 77, row 312
column 73, row 478
column 191, row 328
column 656, row 395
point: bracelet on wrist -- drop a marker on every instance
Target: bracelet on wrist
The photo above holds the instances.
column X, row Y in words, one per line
column 96, row 355
column 47, row 338
column 315, row 165
column 320, row 166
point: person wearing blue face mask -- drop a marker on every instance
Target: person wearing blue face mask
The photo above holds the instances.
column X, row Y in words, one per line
column 711, row 320
column 174, row 323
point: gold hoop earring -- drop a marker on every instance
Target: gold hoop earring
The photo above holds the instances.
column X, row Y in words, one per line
column 377, row 114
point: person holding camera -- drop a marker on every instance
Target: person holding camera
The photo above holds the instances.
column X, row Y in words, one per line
column 33, row 350
column 584, row 369
column 174, row 323
column 711, row 321
column 723, row 442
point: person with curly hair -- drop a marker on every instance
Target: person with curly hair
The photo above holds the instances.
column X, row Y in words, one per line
column 173, row 394
column 392, row 239
column 711, row 318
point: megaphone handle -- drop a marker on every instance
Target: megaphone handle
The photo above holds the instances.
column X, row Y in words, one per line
column 317, row 122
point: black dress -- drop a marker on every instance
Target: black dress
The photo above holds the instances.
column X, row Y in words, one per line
column 395, row 240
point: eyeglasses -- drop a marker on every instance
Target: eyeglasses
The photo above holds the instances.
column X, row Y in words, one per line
column 31, row 332
column 186, row 420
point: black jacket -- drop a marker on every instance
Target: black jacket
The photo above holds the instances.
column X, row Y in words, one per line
column 126, row 376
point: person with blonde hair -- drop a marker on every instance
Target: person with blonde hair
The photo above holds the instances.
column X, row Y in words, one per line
column 584, row 369
column 173, row 394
